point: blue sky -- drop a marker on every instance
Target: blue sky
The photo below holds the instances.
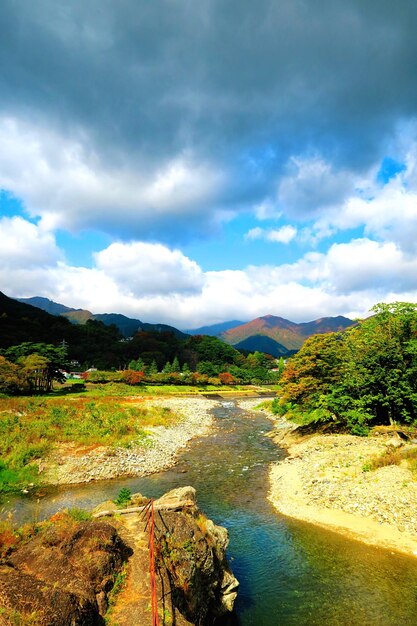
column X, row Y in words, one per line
column 191, row 163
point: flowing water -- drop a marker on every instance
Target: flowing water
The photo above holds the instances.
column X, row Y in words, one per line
column 291, row 573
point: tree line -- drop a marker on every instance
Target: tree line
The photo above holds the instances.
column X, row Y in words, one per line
column 363, row 376
column 32, row 367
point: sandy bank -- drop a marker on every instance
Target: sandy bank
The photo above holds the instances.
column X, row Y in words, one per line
column 70, row 464
column 325, row 480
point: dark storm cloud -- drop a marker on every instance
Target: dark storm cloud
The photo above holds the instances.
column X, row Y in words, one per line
column 223, row 81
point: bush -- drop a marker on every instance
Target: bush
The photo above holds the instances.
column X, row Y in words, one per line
column 79, row 515
column 124, row 498
column 357, row 422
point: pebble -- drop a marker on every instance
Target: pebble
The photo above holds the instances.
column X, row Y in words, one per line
column 387, row 495
column 159, row 453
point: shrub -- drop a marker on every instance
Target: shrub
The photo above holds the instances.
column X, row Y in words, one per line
column 79, row 515
column 357, row 422
column 124, row 498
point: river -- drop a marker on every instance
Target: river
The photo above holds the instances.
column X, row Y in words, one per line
column 291, row 573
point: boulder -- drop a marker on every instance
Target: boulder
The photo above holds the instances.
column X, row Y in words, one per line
column 192, row 549
column 64, row 573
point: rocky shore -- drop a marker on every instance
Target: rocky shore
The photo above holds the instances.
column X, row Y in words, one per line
column 328, row 480
column 70, row 464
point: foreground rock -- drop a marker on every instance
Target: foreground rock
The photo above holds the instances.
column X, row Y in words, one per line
column 195, row 583
column 327, row 479
column 193, row 551
column 65, row 574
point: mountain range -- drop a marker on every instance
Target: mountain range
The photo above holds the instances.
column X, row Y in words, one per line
column 271, row 334
column 127, row 326
column 214, row 330
column 278, row 336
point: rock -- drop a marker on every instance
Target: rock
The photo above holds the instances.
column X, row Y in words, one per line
column 23, row 597
column 138, row 499
column 394, row 442
column 178, row 496
column 193, row 550
column 108, row 505
column 63, row 574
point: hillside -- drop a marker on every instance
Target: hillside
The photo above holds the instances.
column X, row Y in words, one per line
column 262, row 343
column 21, row 322
column 100, row 345
column 214, row 330
column 284, row 333
column 126, row 325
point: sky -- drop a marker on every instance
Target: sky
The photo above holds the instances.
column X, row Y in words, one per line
column 193, row 162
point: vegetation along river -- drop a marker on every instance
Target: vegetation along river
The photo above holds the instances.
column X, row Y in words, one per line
column 290, row 572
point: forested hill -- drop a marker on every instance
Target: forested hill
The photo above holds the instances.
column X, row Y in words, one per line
column 365, row 375
column 127, row 326
column 96, row 344
column 283, row 335
column 21, row 322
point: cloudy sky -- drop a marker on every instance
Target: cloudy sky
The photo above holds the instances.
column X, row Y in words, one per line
column 192, row 162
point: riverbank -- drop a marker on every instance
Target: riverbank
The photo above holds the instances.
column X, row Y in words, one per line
column 327, row 480
column 71, row 464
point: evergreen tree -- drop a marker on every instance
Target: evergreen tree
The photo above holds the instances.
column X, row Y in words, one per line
column 152, row 369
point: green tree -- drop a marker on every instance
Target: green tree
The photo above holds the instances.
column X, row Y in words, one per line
column 152, row 369
column 368, row 374
column 12, row 378
column 167, row 369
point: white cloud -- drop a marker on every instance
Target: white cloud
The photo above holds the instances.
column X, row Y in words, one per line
column 158, row 284
column 65, row 182
column 285, row 234
column 24, row 245
column 385, row 212
column 255, row 233
column 141, row 269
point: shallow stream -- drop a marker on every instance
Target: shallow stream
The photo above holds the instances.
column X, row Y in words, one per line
column 291, row 573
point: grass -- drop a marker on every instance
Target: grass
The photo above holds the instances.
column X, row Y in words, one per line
column 31, row 427
column 395, row 457
column 99, row 390
column 118, row 586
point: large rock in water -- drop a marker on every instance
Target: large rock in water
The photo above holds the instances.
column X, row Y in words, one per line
column 193, row 551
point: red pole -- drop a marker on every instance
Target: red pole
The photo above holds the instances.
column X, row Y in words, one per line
column 151, row 522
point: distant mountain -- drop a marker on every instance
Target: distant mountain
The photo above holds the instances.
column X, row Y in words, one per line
column 282, row 332
column 76, row 316
column 129, row 326
column 325, row 325
column 126, row 325
column 46, row 305
column 215, row 329
column 262, row 343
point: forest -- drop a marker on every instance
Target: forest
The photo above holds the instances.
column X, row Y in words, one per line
column 364, row 376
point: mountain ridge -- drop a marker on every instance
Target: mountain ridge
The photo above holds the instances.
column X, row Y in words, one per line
column 287, row 334
column 127, row 326
column 214, row 330
column 269, row 333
